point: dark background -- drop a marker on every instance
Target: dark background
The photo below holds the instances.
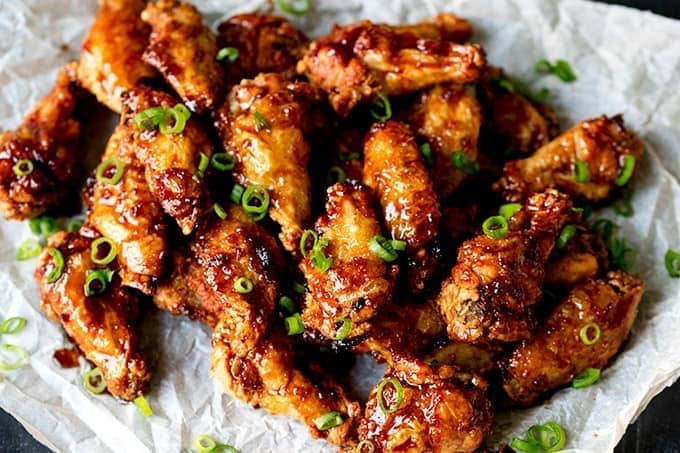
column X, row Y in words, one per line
column 657, row 430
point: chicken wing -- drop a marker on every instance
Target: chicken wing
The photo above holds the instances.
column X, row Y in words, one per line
column 111, row 56
column 444, row 26
column 171, row 160
column 184, row 50
column 100, row 325
column 265, row 43
column 262, row 126
column 557, row 353
column 496, row 281
column 40, row 160
column 448, row 118
column 356, row 62
column 358, row 282
column 599, row 146
column 584, row 256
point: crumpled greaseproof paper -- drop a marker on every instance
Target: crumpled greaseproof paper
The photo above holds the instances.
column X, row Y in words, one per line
column 626, row 61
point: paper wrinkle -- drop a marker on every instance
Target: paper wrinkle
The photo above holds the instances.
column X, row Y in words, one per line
column 624, row 63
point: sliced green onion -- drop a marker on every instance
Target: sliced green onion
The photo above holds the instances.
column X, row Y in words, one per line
column 143, row 406
column 183, row 111
column 305, row 238
column 243, row 285
column 349, row 156
column 381, row 399
column 150, row 118
column 365, row 446
column 549, row 436
column 672, row 261
column 57, row 266
column 223, row 161
column 384, row 248
column 561, row 69
column 219, row 210
column 328, row 420
column 495, row 227
column 426, row 151
column 294, row 7
column 460, row 161
column 230, row 53
column 287, row 304
column 203, row 163
column 237, row 193
column 44, row 226
column 588, row 339
column 261, row 122
column 398, row 245
column 96, row 281
column 299, row 288
column 624, row 207
column 74, row 225
column 110, row 255
column 23, row 167
column 204, row 444
column 255, row 202
column 94, row 381
column 16, row 350
column 568, row 232
column 320, row 261
column 626, row 171
column 605, row 228
column 344, row 329
column 516, row 86
column 12, row 325
column 581, row 172
column 585, row 378
column 509, row 209
column 103, row 167
column 177, row 116
column 28, row 249
column 621, row 256
column 293, row 324
column 336, row 174
column 522, row 446
column 381, row 109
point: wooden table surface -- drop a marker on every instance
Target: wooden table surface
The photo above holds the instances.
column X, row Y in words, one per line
column 657, row 430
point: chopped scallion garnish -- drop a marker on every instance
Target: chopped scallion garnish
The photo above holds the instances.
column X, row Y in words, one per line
column 386, row 249
column 365, row 446
column 516, row 86
column 94, row 381
column 57, row 266
column 143, row 406
column 626, row 171
column 344, row 330
column 106, row 245
column 261, row 122
column 398, row 397
column 299, row 288
column 336, row 174
column 495, row 227
column 12, row 325
column 293, row 324
column 288, row 304
column 581, row 172
column 175, row 120
column 23, row 167
column 223, row 161
column 105, row 167
column 672, row 261
column 255, row 202
column 295, row 7
column 426, row 151
column 587, row 337
column 228, row 53
column 243, row 285
column 561, row 69
column 150, row 118
column 585, row 378
column 96, row 281
column 237, row 193
column 328, row 420
column 381, row 109
column 16, row 350
column 509, row 209
column 568, row 232
column 28, row 249
column 459, row 160
column 548, row 437
column 219, row 211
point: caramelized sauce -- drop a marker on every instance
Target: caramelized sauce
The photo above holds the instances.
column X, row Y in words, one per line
column 67, row 357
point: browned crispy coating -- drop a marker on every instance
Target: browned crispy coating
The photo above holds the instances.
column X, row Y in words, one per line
column 128, row 214
column 48, row 137
column 584, row 256
column 600, row 143
column 443, row 26
column 358, row 282
column 262, row 126
column 355, row 62
column 448, row 118
column 184, row 50
column 494, row 284
column 556, row 354
column 171, row 160
column 472, row 358
column 111, row 56
column 101, row 325
column 265, row 43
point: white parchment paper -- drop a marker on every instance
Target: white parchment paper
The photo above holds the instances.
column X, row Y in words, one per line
column 626, row 61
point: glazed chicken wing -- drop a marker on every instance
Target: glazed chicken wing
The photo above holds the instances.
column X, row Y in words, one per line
column 111, row 56
column 184, row 50
column 448, row 118
column 262, row 126
column 557, row 353
column 40, row 160
column 600, row 146
column 491, row 289
column 356, row 62
column 584, row 256
column 444, row 26
column 358, row 282
column 101, row 325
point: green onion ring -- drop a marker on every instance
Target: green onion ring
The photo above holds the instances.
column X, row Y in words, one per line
column 94, row 381
column 253, row 193
column 299, row 288
column 23, row 167
column 320, row 261
column 293, row 324
column 581, row 172
column 44, row 226
column 243, row 285
column 150, row 118
column 509, row 209
column 94, row 251
column 230, row 53
column 672, row 261
column 74, row 225
column 398, row 245
column 58, row 266
column 383, row 248
column 381, row 109
column 495, row 227
column 17, row 350
column 522, row 446
column 550, row 436
column 105, row 165
column 287, row 304
column 295, row 7
column 400, row 395
column 459, row 160
column 344, row 329
column 223, row 161
column 182, row 110
column 328, row 420
column 365, row 446
column 12, row 325
column 626, row 171
column 101, row 276
column 585, row 378
column 426, row 151
column 28, row 249
column 236, row 194
column 143, row 406
column 336, row 174
column 203, row 162
column 568, row 232
column 219, row 211
column 261, row 122
column 176, row 115
column 304, row 239
column 586, row 338
column 204, row 444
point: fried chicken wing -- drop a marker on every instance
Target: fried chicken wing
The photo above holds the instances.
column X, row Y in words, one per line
column 40, row 160
column 491, row 289
column 357, row 61
column 171, row 160
column 100, row 325
column 584, row 256
column 600, row 145
column 444, row 26
column 262, row 126
column 358, row 282
column 265, row 43
column 184, row 50
column 111, row 55
column 448, row 118
column 557, row 353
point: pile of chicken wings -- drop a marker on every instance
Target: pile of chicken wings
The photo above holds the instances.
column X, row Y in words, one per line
column 314, row 200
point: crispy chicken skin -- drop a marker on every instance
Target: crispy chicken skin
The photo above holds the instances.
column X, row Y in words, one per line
column 262, row 126
column 444, row 26
column 556, row 354
column 584, row 256
column 171, row 160
column 111, row 56
column 265, row 43
column 600, row 143
column 184, row 50
column 358, row 282
column 449, row 118
column 494, row 284
column 48, row 137
column 128, row 214
column 100, row 325
column 355, row 62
